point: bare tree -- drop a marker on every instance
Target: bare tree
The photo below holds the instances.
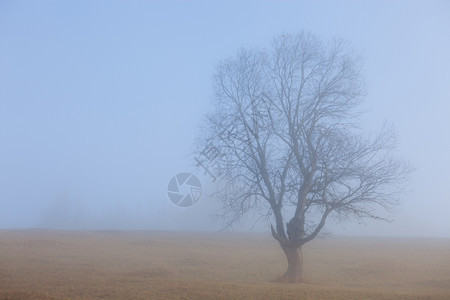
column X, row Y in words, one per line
column 287, row 143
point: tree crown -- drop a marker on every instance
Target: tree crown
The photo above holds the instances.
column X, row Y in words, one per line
column 287, row 140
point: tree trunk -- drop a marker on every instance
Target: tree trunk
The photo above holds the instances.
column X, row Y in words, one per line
column 295, row 264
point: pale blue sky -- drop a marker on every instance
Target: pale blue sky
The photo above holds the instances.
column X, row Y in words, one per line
column 100, row 101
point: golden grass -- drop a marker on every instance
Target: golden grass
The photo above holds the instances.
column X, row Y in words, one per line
column 37, row 264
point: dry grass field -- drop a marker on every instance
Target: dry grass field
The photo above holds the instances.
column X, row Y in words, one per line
column 37, row 264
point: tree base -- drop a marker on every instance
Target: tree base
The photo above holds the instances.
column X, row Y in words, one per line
column 285, row 278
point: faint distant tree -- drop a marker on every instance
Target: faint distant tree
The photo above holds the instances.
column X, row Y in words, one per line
column 285, row 127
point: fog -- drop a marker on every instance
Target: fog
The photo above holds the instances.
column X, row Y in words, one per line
column 100, row 102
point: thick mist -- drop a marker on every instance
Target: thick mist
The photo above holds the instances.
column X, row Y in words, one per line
column 100, row 103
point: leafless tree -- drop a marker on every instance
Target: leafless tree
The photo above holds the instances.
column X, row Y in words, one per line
column 285, row 127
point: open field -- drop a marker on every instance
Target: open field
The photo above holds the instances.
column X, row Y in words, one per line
column 38, row 264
